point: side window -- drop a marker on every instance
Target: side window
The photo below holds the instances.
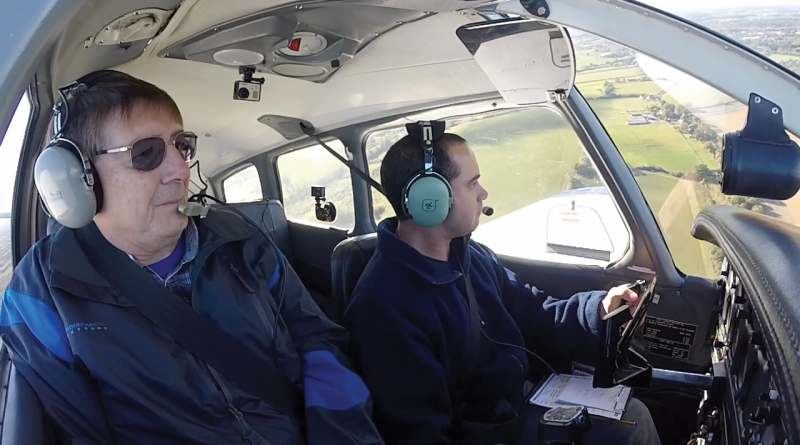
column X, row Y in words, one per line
column 313, row 166
column 550, row 204
column 243, row 186
column 10, row 150
column 668, row 126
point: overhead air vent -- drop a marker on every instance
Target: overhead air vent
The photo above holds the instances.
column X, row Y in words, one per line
column 297, row 70
column 238, row 57
column 142, row 24
column 309, row 42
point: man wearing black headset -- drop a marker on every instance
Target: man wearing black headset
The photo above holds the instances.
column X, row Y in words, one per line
column 101, row 353
column 410, row 320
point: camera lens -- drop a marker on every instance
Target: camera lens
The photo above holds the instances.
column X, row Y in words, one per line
column 243, row 93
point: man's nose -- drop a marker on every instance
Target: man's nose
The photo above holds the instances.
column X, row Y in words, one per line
column 174, row 167
column 484, row 193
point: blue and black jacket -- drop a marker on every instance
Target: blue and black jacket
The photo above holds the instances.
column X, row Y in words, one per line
column 409, row 328
column 106, row 375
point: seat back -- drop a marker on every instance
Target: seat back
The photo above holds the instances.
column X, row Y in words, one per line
column 270, row 216
column 24, row 419
column 348, row 261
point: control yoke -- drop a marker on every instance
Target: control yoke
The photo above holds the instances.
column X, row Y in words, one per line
column 618, row 363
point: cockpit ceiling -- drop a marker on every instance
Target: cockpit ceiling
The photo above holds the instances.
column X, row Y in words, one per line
column 399, row 61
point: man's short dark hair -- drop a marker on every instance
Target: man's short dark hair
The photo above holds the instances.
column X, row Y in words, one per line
column 107, row 95
column 405, row 159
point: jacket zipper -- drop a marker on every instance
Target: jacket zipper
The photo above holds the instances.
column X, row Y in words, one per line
column 229, row 402
column 221, row 385
column 241, row 279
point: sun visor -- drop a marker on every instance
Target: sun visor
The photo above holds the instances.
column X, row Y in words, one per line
column 528, row 61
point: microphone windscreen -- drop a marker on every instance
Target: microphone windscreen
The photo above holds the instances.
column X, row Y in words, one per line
column 488, row 211
column 192, row 209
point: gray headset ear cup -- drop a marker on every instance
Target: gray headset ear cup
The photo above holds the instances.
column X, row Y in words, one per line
column 59, row 176
column 428, row 199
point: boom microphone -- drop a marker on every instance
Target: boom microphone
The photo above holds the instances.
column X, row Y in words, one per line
column 192, row 209
column 488, row 211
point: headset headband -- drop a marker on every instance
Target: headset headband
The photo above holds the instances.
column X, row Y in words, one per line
column 61, row 109
column 427, row 144
column 426, row 133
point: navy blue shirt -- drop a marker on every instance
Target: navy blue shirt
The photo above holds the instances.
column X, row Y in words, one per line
column 409, row 325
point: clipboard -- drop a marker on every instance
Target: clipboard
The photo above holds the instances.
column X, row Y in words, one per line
column 572, row 390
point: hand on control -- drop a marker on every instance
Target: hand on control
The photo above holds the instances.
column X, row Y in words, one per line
column 617, row 296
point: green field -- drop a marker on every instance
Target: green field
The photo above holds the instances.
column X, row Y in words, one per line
column 658, row 143
column 610, row 73
column 523, row 166
column 784, row 58
column 662, row 145
column 584, row 59
column 595, row 89
column 689, row 254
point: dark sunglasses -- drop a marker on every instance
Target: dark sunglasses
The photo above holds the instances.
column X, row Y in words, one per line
column 147, row 154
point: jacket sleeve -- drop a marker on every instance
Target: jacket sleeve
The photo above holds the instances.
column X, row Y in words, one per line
column 40, row 351
column 338, row 405
column 395, row 354
column 558, row 326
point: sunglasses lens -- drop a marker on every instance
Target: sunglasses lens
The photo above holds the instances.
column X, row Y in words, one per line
column 147, row 154
column 186, row 143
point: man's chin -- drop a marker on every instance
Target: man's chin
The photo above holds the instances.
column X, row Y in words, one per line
column 174, row 220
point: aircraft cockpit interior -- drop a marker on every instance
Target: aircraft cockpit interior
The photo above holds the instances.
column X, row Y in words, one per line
column 619, row 144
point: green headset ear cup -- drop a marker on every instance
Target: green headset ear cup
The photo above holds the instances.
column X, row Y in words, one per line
column 428, row 200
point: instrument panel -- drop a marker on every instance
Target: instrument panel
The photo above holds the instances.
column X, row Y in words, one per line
column 744, row 405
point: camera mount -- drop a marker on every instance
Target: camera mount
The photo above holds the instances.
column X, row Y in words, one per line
column 247, row 72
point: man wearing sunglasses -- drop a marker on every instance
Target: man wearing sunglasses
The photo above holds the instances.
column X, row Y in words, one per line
column 104, row 373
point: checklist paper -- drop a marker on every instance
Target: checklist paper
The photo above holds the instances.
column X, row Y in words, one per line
column 569, row 390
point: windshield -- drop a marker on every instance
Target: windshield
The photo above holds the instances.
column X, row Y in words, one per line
column 668, row 125
column 772, row 27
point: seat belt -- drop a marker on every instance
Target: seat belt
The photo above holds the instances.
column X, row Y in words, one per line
column 199, row 335
column 468, row 366
column 485, row 433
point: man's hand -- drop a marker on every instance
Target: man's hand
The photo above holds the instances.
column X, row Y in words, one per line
column 616, row 296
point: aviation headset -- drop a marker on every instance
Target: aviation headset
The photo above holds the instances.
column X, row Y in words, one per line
column 68, row 186
column 427, row 196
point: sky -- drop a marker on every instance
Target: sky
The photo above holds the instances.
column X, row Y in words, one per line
column 9, row 153
column 676, row 6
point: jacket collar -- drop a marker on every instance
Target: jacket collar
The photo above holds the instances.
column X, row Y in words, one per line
column 430, row 270
column 220, row 226
column 67, row 257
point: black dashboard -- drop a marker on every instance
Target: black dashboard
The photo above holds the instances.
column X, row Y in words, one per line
column 755, row 395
